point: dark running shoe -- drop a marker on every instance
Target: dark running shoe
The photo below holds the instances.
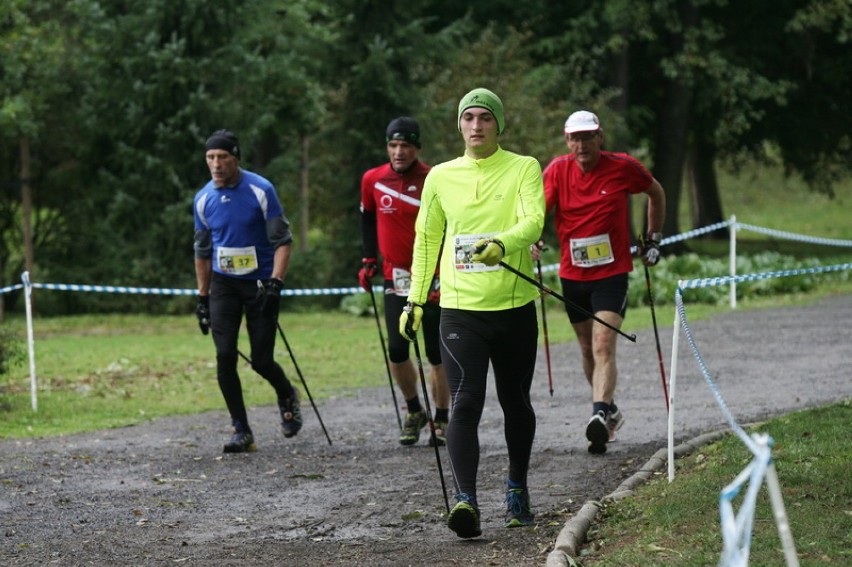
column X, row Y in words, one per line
column 518, row 511
column 440, row 434
column 414, row 422
column 291, row 414
column 241, row 442
column 597, row 432
column 464, row 517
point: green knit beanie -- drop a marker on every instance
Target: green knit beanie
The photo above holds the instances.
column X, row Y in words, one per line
column 483, row 98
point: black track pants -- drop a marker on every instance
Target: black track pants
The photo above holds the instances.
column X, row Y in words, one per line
column 470, row 340
column 230, row 298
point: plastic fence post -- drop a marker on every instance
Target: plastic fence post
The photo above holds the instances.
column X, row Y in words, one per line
column 781, row 521
column 28, row 294
column 672, row 381
column 733, row 259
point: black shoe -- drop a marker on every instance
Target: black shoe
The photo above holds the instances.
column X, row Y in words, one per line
column 241, row 442
column 291, row 414
column 464, row 517
column 597, row 432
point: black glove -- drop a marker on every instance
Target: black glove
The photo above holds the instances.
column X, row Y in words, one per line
column 651, row 250
column 271, row 290
column 202, row 311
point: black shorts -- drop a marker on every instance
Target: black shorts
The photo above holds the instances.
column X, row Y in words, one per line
column 608, row 294
column 399, row 347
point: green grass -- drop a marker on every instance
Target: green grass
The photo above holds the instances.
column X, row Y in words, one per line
column 101, row 371
column 115, row 370
column 678, row 523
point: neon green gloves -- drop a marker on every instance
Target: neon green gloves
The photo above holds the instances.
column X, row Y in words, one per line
column 489, row 251
column 409, row 321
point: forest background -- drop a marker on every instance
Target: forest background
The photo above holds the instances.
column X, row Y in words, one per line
column 105, row 106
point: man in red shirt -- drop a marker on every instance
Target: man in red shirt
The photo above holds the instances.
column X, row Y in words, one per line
column 390, row 201
column 589, row 192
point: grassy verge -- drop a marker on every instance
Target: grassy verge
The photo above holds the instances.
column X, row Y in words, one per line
column 678, row 523
column 95, row 372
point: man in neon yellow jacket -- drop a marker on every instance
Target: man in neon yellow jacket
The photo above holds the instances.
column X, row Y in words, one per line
column 478, row 210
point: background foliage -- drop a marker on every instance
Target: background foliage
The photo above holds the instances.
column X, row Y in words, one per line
column 115, row 99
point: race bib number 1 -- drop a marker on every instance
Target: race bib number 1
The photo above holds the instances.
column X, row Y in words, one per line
column 591, row 251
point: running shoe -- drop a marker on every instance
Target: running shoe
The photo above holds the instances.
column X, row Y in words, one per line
column 614, row 421
column 464, row 517
column 291, row 414
column 597, row 432
column 241, row 442
column 414, row 422
column 440, row 434
column 518, row 511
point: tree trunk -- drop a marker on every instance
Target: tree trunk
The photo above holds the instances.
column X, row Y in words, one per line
column 704, row 187
column 27, row 206
column 670, row 148
column 304, row 201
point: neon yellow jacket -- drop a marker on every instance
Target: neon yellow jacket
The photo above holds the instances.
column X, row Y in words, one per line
column 464, row 200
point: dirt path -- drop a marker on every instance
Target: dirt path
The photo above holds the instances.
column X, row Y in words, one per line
column 163, row 493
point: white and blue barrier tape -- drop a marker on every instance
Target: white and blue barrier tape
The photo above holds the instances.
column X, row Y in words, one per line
column 737, row 527
column 723, row 280
column 305, row 292
column 10, row 288
column 170, row 291
column 794, row 236
column 706, row 373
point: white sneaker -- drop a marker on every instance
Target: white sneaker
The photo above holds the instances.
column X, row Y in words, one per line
column 614, row 421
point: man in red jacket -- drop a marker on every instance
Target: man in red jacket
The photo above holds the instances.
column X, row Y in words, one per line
column 589, row 191
column 390, row 201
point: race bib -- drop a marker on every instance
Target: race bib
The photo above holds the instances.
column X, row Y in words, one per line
column 401, row 282
column 591, row 251
column 237, row 261
column 463, row 250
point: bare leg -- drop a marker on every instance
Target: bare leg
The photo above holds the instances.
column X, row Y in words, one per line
column 598, row 346
column 405, row 376
column 440, row 388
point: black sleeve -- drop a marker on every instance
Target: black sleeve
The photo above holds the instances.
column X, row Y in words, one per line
column 369, row 237
column 278, row 231
column 203, row 244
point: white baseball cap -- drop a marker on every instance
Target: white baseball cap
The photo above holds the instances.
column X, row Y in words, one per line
column 582, row 121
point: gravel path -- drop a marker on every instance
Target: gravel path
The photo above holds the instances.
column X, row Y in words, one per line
column 163, row 493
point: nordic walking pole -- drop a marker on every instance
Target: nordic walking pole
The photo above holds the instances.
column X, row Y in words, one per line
column 244, row 357
column 429, row 416
column 544, row 326
column 544, row 288
column 302, row 378
column 385, row 352
column 657, row 336
column 248, row 360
